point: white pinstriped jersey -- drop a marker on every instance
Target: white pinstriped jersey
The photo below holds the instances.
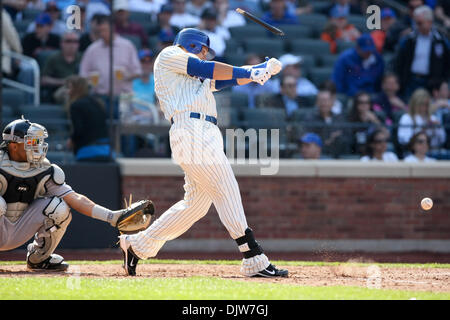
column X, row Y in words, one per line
column 176, row 90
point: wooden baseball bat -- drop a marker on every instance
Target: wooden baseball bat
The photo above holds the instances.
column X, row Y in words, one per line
column 259, row 21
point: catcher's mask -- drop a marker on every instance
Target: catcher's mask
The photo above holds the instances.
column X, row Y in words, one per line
column 32, row 135
column 193, row 40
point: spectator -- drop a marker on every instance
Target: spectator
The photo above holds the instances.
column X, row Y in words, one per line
column 299, row 7
column 163, row 26
column 94, row 7
column 311, row 146
column 386, row 38
column 338, row 107
column 125, row 27
column 388, row 100
column 252, row 89
column 440, row 104
column 197, row 7
column 10, row 42
column 279, row 14
column 58, row 25
column 338, row 28
column 362, row 115
column 42, row 38
column 376, row 148
column 408, row 20
column 419, row 146
column 423, row 55
column 442, row 12
column 292, row 66
column 419, row 118
column 144, row 86
column 326, row 125
column 89, row 139
column 288, row 98
column 95, row 65
column 359, row 69
column 218, row 35
column 59, row 66
column 228, row 18
column 180, row 18
column 151, row 7
column 342, row 6
column 92, row 35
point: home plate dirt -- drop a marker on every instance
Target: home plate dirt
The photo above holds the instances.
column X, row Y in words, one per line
column 400, row 278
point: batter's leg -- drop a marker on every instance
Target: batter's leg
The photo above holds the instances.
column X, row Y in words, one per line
column 172, row 223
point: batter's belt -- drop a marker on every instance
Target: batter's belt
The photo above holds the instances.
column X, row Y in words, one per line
column 197, row 115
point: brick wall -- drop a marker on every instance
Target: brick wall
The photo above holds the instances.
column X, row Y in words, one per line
column 318, row 208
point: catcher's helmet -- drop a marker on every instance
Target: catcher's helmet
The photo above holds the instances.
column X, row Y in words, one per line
column 193, row 40
column 31, row 134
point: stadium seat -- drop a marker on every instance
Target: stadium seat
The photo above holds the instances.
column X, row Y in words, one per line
column 153, row 43
column 9, row 112
column 299, row 115
column 314, row 20
column 232, row 47
column 238, row 100
column 13, row 97
column 309, row 46
column 264, row 118
column 327, row 60
column 136, row 40
column 264, row 46
column 53, row 117
column 320, row 75
column 307, row 101
column 309, row 62
column 30, row 14
column 249, row 31
column 359, row 21
column 292, row 32
column 344, row 45
column 235, row 59
column 142, row 18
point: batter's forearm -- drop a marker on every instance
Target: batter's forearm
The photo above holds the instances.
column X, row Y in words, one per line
column 216, row 70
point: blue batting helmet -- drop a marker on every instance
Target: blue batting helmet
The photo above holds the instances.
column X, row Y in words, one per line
column 193, row 40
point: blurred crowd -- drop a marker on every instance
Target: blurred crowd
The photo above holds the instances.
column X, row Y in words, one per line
column 385, row 96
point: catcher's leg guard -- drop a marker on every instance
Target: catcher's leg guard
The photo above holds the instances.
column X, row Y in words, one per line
column 49, row 235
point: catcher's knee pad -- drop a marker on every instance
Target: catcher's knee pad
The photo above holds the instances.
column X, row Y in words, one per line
column 248, row 245
column 57, row 210
column 50, row 234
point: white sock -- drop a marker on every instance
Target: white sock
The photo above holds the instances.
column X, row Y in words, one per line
column 104, row 214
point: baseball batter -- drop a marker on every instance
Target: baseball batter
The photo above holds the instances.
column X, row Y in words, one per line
column 35, row 200
column 184, row 83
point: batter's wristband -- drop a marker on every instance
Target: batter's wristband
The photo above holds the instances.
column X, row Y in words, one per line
column 241, row 73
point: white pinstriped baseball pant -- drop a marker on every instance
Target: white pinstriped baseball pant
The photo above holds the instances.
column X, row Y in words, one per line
column 197, row 146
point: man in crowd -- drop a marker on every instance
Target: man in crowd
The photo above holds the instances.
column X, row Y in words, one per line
column 279, row 14
column 423, row 55
column 359, row 68
column 310, row 146
column 180, row 17
column 59, row 66
column 95, row 65
column 217, row 34
column 124, row 26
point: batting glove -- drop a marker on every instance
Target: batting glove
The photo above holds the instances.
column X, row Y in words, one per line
column 274, row 66
column 259, row 74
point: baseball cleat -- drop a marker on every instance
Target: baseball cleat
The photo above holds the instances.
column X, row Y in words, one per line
column 54, row 263
column 272, row 272
column 130, row 260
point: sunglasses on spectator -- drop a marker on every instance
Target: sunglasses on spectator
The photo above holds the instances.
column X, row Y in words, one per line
column 363, row 101
column 380, row 141
column 71, row 41
column 421, row 141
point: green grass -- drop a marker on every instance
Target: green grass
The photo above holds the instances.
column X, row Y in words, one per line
column 196, row 288
column 192, row 288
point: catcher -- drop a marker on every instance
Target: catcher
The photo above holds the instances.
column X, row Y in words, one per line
column 35, row 200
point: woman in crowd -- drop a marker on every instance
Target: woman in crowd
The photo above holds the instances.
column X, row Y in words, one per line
column 89, row 140
column 419, row 146
column 364, row 119
column 376, row 148
column 420, row 118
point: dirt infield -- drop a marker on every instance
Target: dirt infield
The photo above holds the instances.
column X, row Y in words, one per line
column 413, row 279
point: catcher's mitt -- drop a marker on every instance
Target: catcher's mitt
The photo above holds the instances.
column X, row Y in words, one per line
column 136, row 217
